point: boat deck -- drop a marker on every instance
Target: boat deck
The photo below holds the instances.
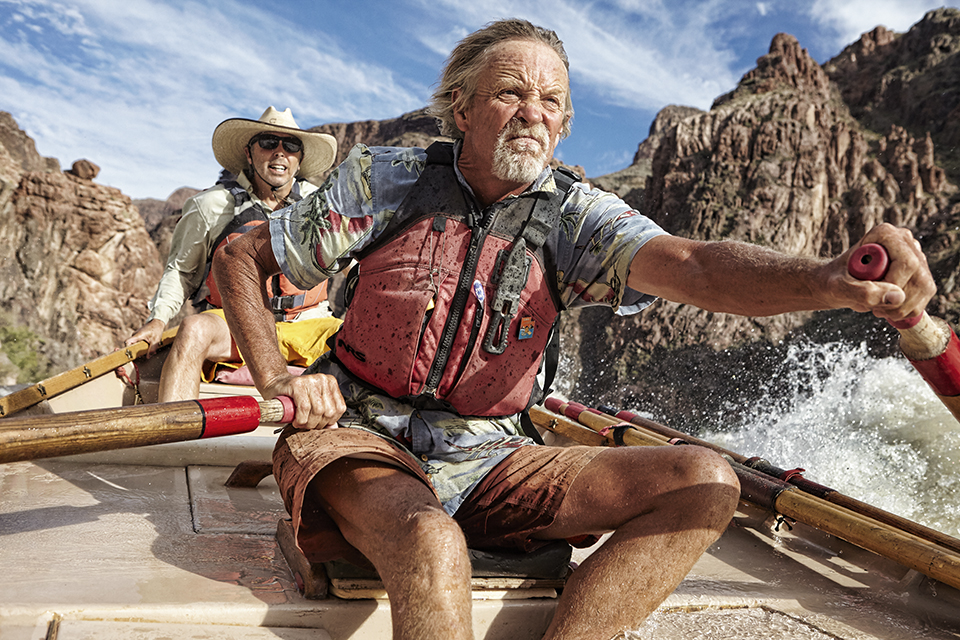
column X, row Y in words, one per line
column 148, row 544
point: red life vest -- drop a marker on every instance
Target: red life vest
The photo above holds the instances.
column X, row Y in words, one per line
column 286, row 299
column 438, row 315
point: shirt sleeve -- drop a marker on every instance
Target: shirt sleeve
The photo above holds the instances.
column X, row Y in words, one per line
column 186, row 264
column 599, row 236
column 317, row 237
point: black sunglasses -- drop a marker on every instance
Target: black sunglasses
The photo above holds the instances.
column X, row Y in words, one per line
column 269, row 142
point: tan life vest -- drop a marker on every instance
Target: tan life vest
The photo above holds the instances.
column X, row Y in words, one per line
column 286, row 299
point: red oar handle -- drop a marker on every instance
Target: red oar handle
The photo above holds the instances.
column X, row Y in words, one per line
column 240, row 414
column 59, row 434
column 870, row 262
column 929, row 343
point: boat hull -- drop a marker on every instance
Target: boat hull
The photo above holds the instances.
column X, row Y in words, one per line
column 148, row 543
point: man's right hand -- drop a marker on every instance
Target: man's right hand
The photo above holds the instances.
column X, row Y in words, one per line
column 316, row 397
column 150, row 333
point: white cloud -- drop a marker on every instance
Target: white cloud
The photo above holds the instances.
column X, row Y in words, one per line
column 136, row 85
column 635, row 53
column 852, row 18
column 65, row 20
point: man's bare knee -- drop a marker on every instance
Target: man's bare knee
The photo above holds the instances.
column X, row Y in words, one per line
column 383, row 511
column 197, row 329
column 705, row 467
column 427, row 534
column 700, row 468
column 202, row 336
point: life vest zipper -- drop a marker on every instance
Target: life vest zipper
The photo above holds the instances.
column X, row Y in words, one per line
column 474, row 334
column 464, row 285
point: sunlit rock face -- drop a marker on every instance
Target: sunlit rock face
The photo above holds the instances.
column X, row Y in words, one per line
column 76, row 263
column 801, row 158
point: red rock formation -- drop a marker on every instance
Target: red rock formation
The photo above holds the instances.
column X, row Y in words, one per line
column 414, row 129
column 84, row 169
column 910, row 79
column 779, row 161
column 76, row 264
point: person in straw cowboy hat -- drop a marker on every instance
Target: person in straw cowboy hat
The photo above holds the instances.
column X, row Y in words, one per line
column 266, row 163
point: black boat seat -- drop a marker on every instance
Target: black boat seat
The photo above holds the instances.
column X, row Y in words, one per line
column 545, row 569
column 542, row 571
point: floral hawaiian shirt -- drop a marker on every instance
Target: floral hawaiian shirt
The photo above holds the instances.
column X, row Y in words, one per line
column 318, row 237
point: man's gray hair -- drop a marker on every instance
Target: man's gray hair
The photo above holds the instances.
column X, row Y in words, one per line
column 469, row 58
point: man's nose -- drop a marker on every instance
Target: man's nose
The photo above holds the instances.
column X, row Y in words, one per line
column 530, row 110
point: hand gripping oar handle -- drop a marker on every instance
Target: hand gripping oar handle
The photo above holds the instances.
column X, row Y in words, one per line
column 870, row 262
column 60, row 434
column 928, row 343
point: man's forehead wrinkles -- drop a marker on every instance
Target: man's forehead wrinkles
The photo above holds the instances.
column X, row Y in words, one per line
column 505, row 75
column 505, row 78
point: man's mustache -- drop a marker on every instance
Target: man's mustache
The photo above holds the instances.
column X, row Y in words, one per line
column 537, row 131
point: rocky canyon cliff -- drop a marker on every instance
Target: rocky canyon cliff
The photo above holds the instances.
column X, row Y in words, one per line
column 799, row 156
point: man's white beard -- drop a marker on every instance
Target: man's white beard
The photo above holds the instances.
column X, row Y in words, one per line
column 522, row 167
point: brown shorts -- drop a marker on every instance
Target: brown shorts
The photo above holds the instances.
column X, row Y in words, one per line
column 518, row 498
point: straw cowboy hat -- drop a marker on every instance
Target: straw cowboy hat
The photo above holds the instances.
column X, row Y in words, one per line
column 231, row 136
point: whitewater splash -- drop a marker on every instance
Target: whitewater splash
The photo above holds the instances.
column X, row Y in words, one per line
column 870, row 428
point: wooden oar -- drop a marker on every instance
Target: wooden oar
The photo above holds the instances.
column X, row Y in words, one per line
column 931, row 559
column 51, row 387
column 60, row 434
column 795, row 477
column 928, row 342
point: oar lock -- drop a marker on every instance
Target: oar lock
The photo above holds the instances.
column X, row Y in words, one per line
column 765, row 466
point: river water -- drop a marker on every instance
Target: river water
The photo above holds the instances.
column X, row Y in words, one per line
column 868, row 427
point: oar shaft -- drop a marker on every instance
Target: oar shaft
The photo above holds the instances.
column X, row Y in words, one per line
column 54, row 386
column 565, row 427
column 804, row 484
column 604, row 424
column 53, row 435
column 909, row 550
column 672, row 434
column 863, row 508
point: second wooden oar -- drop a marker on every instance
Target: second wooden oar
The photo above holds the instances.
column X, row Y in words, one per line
column 61, row 434
column 929, row 343
column 909, row 550
column 54, row 386
column 791, row 476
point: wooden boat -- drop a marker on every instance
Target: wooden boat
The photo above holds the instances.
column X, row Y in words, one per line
column 149, row 543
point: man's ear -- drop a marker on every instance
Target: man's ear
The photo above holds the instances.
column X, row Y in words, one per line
column 459, row 116
column 246, row 152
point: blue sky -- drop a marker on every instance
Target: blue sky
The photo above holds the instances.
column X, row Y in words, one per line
column 137, row 86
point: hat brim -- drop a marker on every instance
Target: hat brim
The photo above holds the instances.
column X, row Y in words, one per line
column 231, row 137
